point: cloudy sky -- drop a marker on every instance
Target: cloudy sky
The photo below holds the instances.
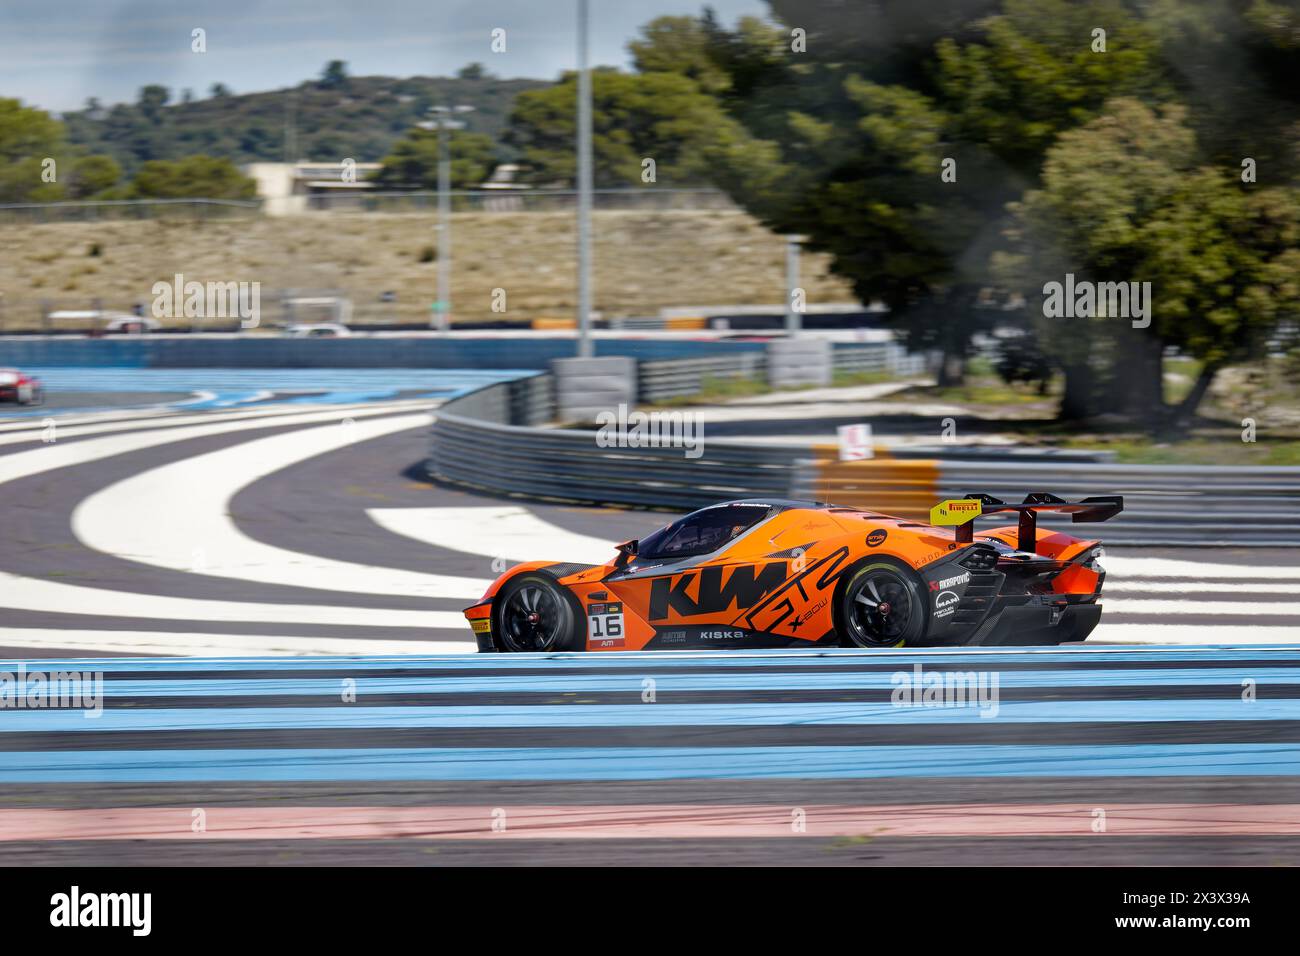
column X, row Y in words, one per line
column 56, row 54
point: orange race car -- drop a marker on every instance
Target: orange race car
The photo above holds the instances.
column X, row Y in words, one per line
column 775, row 573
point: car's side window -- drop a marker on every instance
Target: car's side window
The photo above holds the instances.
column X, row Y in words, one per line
column 701, row 532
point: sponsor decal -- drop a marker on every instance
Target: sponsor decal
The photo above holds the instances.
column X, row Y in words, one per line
column 721, row 635
column 955, row 511
column 953, row 581
column 481, row 626
column 877, row 538
column 945, row 603
column 744, row 588
column 807, row 616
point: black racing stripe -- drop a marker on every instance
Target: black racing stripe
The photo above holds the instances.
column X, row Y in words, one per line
column 804, row 735
column 40, row 542
column 1085, row 791
column 71, row 623
column 645, row 668
column 667, row 695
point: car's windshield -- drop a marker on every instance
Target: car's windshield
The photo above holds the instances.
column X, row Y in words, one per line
column 701, row 532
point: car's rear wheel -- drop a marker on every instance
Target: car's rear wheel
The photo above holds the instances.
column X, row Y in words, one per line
column 534, row 613
column 882, row 606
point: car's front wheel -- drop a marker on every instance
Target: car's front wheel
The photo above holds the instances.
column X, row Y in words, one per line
column 882, row 606
column 534, row 613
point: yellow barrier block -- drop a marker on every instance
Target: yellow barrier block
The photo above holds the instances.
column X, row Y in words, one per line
column 902, row 487
column 687, row 322
column 550, row 322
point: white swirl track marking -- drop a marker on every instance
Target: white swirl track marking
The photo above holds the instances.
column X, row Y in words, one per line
column 33, row 594
column 492, row 532
column 165, row 515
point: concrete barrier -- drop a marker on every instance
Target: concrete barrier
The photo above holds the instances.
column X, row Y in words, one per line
column 586, row 386
column 795, row 362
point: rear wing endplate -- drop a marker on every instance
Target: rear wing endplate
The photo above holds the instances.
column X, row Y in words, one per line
column 962, row 512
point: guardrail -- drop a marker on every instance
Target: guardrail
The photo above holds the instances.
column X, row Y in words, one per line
column 488, row 440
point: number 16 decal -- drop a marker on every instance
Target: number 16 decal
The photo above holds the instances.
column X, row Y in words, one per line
column 605, row 625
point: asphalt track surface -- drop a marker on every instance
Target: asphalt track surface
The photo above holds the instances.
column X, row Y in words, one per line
column 304, row 530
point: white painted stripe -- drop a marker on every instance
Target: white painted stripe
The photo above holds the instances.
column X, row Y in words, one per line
column 34, row 461
column 148, row 643
column 494, row 532
column 1194, row 589
column 77, row 430
column 177, row 516
column 1192, row 634
column 1252, row 608
column 1121, row 567
column 35, row 594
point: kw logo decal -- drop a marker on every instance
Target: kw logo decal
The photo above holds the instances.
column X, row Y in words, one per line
column 779, row 605
column 744, row 588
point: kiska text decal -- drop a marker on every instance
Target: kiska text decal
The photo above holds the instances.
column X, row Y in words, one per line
column 744, row 588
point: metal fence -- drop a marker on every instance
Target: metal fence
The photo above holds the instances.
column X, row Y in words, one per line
column 115, row 209
column 648, row 198
column 485, row 441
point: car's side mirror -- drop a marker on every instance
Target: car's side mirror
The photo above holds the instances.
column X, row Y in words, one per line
column 626, row 552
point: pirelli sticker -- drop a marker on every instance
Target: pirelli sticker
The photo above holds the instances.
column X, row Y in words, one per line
column 481, row 625
column 955, row 511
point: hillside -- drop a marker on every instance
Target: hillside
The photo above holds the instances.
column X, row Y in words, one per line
column 360, row 119
column 643, row 262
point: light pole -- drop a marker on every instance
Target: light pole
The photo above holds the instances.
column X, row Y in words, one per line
column 443, row 123
column 793, row 323
column 584, row 188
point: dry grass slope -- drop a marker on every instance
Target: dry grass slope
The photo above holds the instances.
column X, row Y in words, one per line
column 644, row 261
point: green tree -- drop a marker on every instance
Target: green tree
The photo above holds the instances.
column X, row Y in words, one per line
column 662, row 117
column 334, row 76
column 413, row 163
column 681, row 45
column 93, row 176
column 1124, row 199
column 152, row 100
column 194, row 177
column 29, row 139
column 848, row 140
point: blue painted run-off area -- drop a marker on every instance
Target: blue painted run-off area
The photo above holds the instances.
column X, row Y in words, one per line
column 428, row 352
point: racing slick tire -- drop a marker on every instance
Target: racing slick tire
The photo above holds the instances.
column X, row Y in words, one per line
column 882, row 605
column 535, row 614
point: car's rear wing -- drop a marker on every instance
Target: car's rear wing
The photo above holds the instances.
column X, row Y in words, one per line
column 962, row 512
